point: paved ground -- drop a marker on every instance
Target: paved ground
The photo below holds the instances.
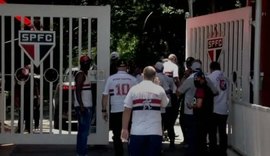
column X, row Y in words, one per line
column 68, row 150
column 104, row 150
column 101, row 150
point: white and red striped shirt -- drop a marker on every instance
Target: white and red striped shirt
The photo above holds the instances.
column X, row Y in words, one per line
column 86, row 93
column 146, row 100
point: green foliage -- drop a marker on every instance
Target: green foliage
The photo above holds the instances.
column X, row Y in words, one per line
column 127, row 45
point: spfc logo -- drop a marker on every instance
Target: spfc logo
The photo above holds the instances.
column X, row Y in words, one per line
column 37, row 44
column 215, row 48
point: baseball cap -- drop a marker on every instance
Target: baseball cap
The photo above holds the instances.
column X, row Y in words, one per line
column 85, row 59
column 200, row 74
column 159, row 66
column 196, row 66
column 114, row 55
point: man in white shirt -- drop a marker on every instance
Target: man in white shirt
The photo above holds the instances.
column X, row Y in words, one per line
column 83, row 104
column 171, row 70
column 145, row 101
column 220, row 112
column 116, row 89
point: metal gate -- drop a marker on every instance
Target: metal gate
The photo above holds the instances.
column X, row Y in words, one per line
column 224, row 37
column 49, row 40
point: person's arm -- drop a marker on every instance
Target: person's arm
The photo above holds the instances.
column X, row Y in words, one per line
column 104, row 101
column 211, row 85
column 177, row 81
column 79, row 80
column 185, row 86
column 125, row 123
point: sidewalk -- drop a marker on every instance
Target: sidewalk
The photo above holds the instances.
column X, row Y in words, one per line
column 97, row 150
column 69, row 150
column 94, row 150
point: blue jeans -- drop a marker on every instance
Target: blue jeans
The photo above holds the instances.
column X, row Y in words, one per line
column 84, row 122
column 145, row 145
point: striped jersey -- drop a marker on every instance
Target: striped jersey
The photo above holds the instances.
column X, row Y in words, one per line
column 146, row 99
column 117, row 87
column 86, row 93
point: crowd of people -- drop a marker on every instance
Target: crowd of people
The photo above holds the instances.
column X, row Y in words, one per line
column 142, row 107
column 199, row 99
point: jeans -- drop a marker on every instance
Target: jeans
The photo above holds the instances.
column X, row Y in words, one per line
column 145, row 145
column 219, row 126
column 84, row 122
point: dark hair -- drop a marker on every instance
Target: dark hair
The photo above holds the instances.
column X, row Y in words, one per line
column 214, row 66
column 189, row 61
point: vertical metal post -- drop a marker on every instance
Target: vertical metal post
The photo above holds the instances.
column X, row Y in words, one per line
column 190, row 5
column 257, row 52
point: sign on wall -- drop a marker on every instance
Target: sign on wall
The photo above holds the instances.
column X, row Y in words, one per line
column 37, row 44
column 215, row 48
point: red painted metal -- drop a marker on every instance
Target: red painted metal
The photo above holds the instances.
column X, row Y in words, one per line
column 26, row 20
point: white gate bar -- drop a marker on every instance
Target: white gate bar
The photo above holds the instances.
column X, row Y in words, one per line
column 257, row 52
column 61, row 77
column 70, row 73
column 103, row 45
column 89, row 36
column 231, row 52
column 235, row 53
column 226, row 62
column 51, row 84
column 41, row 90
column 240, row 48
column 12, row 71
column 80, row 37
column 2, row 67
column 31, row 97
column 201, row 46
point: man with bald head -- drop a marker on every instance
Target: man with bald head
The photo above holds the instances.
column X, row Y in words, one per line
column 145, row 101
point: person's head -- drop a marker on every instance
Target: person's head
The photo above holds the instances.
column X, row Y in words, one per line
column 173, row 58
column 114, row 56
column 196, row 66
column 28, row 66
column 85, row 62
column 189, row 62
column 214, row 66
column 199, row 79
column 149, row 73
column 121, row 65
column 159, row 67
column 22, row 74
